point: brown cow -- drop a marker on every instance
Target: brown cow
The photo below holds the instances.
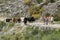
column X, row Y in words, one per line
column 14, row 20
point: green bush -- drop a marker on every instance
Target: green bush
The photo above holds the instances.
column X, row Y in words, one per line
column 47, row 14
column 2, row 24
column 57, row 15
column 52, row 1
column 39, row 1
column 11, row 24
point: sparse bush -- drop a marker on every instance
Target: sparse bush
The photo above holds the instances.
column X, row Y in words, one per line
column 11, row 24
column 2, row 24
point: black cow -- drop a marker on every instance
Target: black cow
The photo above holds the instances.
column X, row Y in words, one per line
column 19, row 20
column 30, row 19
column 25, row 21
column 8, row 20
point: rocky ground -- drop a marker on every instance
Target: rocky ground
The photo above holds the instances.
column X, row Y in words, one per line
column 17, row 7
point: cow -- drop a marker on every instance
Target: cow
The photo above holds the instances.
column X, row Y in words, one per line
column 8, row 20
column 30, row 19
column 18, row 20
column 14, row 20
column 25, row 21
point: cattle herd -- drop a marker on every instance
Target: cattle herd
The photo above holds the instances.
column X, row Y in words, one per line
column 25, row 20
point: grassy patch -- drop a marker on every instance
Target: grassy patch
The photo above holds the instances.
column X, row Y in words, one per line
column 33, row 33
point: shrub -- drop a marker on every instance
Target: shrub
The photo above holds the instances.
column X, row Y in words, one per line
column 2, row 24
column 57, row 15
column 11, row 24
column 39, row 1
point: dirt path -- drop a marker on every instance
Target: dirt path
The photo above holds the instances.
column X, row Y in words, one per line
column 43, row 25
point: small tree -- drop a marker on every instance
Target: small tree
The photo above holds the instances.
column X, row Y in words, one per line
column 47, row 14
